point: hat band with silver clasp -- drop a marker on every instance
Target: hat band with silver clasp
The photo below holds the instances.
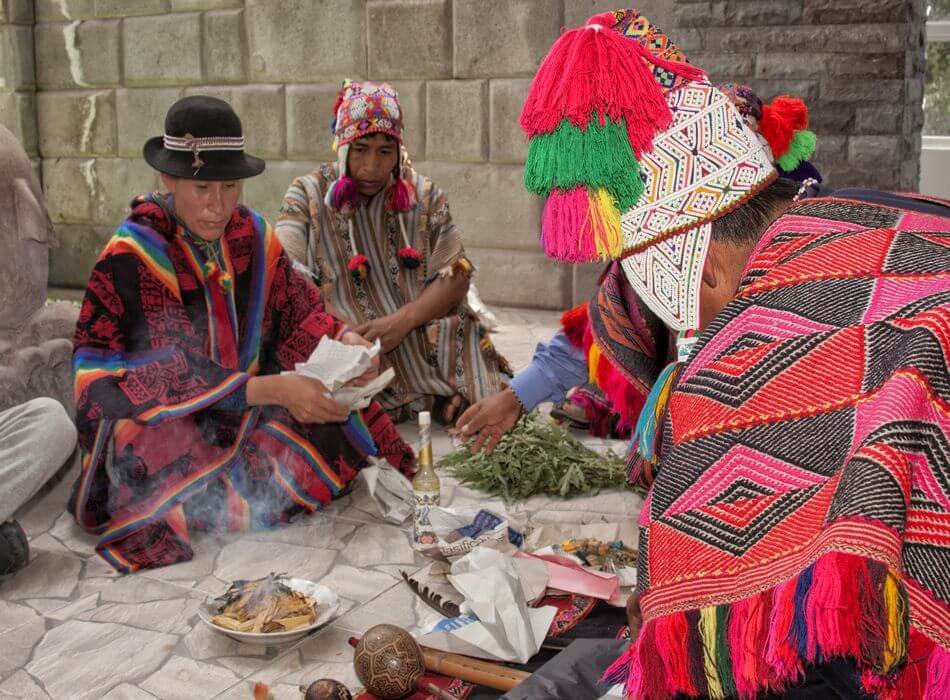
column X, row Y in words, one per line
column 194, row 145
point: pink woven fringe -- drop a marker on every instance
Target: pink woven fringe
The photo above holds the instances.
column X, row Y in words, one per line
column 565, row 227
column 765, row 639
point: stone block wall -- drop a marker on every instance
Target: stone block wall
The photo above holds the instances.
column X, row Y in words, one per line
column 85, row 82
column 859, row 65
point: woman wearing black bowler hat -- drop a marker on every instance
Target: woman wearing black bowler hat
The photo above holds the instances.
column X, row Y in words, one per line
column 192, row 312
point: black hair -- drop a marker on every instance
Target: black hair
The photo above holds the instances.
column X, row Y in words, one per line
column 745, row 224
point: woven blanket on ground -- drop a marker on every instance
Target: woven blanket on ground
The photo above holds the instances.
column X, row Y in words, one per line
column 802, row 507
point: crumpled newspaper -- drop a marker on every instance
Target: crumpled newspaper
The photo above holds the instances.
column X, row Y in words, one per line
column 334, row 364
column 461, row 531
column 390, row 491
column 497, row 623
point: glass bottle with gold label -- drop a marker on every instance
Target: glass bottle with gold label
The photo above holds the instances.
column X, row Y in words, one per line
column 425, row 486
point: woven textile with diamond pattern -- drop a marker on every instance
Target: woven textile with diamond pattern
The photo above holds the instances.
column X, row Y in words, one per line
column 802, row 508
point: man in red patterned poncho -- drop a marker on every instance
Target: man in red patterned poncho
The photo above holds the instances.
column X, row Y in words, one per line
column 192, row 312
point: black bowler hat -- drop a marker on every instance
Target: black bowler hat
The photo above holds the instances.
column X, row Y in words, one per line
column 203, row 140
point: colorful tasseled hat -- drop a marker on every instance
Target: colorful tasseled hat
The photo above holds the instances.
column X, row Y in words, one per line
column 783, row 126
column 637, row 153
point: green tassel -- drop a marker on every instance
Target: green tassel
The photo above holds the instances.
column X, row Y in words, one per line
column 802, row 146
column 598, row 157
column 723, row 655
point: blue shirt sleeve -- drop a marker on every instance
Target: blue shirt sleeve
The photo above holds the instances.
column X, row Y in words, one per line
column 556, row 368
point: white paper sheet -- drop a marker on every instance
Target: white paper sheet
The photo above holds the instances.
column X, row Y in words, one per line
column 506, row 628
column 390, row 491
column 335, row 364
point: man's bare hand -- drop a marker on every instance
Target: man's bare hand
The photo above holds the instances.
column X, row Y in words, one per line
column 489, row 419
column 389, row 330
column 308, row 400
column 352, row 338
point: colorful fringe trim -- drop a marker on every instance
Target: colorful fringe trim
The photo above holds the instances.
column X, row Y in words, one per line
column 622, row 398
column 646, row 433
column 842, row 606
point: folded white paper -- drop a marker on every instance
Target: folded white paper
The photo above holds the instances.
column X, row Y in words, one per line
column 390, row 491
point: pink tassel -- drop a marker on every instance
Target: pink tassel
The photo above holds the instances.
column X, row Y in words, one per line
column 739, row 622
column 345, row 195
column 620, row 670
column 565, row 227
column 780, row 653
column 824, row 605
column 938, row 674
column 672, row 639
column 595, row 70
column 401, row 196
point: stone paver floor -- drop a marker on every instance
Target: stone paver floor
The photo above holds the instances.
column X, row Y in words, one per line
column 70, row 627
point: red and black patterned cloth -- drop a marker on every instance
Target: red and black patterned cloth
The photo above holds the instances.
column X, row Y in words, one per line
column 802, row 509
column 170, row 332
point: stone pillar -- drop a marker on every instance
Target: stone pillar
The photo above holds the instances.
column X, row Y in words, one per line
column 17, row 75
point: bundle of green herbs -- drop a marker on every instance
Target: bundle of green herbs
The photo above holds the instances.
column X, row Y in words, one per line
column 536, row 456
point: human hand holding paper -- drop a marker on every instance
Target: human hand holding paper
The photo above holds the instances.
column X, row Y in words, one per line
column 336, row 364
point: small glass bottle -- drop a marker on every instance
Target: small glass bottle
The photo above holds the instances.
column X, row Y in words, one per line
column 425, row 486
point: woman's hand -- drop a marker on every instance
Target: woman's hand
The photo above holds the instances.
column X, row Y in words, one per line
column 352, row 338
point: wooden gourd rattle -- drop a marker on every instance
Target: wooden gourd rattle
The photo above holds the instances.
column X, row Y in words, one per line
column 391, row 664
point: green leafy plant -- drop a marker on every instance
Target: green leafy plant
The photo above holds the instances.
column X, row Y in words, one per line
column 534, row 457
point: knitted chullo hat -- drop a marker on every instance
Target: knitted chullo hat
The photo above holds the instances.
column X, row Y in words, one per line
column 637, row 153
column 361, row 109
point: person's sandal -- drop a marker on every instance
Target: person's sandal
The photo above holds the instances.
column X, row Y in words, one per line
column 14, row 548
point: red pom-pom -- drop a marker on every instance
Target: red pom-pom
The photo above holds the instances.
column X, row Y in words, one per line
column 410, row 258
column 780, row 120
column 401, row 196
column 358, row 267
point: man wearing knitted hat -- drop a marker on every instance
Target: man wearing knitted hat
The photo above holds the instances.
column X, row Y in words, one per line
column 189, row 412
column 796, row 536
column 379, row 240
